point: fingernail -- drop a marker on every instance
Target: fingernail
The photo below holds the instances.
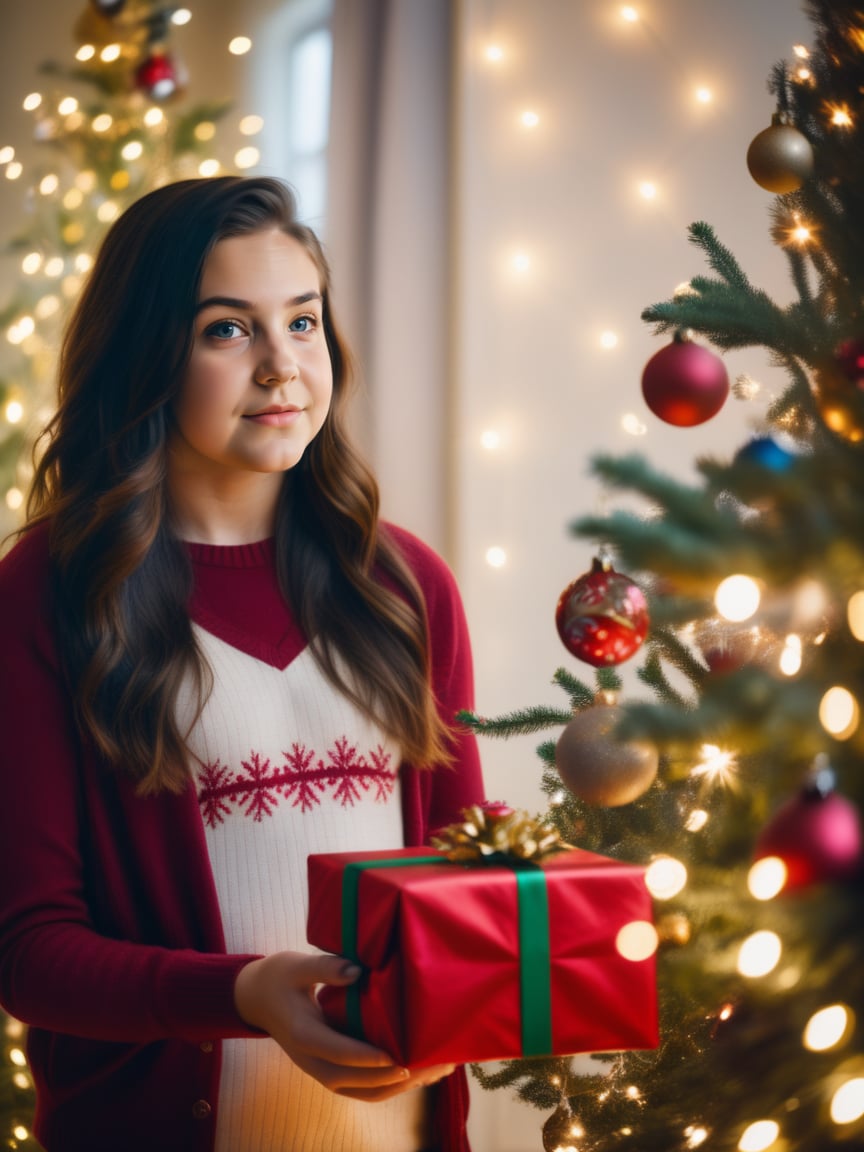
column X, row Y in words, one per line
column 351, row 971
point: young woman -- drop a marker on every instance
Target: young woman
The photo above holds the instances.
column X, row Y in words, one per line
column 216, row 660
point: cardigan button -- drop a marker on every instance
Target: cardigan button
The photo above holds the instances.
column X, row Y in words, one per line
column 206, row 1045
column 201, row 1109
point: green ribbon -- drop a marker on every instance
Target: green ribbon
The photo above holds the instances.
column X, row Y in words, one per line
column 535, row 994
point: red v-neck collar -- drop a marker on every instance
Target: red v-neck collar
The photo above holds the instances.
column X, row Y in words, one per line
column 236, row 597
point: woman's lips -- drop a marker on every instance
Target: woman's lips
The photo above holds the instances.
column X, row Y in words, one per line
column 275, row 417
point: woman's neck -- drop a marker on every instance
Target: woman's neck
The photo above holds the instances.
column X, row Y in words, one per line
column 240, row 512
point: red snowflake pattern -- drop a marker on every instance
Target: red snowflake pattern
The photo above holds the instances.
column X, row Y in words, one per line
column 256, row 790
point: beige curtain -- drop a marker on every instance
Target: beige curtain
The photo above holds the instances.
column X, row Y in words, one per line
column 388, row 236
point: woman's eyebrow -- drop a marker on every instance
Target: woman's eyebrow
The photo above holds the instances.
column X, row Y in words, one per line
column 248, row 305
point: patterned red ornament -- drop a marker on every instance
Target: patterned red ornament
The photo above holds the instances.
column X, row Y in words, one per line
column 157, row 76
column 602, row 618
column 817, row 835
column 684, row 383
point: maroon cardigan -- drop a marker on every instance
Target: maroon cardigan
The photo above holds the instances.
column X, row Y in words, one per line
column 111, row 941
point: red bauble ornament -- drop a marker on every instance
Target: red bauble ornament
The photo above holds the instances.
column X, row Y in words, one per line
column 684, row 383
column 817, row 835
column 157, row 76
column 850, row 360
column 602, row 618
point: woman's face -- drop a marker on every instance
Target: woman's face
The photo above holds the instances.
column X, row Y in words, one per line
column 258, row 384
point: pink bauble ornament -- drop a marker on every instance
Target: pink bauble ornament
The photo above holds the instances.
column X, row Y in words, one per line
column 602, row 618
column 850, row 360
column 817, row 834
column 684, row 383
column 780, row 158
column 599, row 769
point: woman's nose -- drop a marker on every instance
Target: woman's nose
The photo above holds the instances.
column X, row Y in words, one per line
column 277, row 364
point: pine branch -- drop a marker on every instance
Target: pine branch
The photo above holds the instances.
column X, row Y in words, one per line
column 521, row 723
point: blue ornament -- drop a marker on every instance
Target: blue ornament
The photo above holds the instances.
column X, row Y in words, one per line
column 767, row 453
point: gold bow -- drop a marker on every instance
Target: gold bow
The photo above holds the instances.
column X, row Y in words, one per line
column 487, row 833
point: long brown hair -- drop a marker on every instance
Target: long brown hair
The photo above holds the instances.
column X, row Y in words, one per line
column 122, row 580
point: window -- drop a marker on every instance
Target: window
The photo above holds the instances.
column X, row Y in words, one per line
column 292, row 92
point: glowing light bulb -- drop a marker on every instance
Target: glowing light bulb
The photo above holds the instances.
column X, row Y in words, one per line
column 107, row 211
column 839, row 712
column 20, row 1132
column 648, row 190
column 14, row 170
column 695, row 1136
column 790, row 657
column 826, row 1028
column 766, row 878
column 204, row 130
column 208, row 168
column 800, row 234
column 697, row 820
column 49, row 184
column 110, row 53
column 85, row 52
column 840, row 116
column 181, row 16
column 491, row 439
column 737, row 598
column 496, row 557
column 801, row 52
column 529, row 119
column 494, row 53
column 240, row 45
column 7, row 153
column 46, row 307
column 704, row 95
column 608, row 339
column 83, row 262
column 629, row 15
column 847, row 1103
column 759, row 954
column 632, row 425
column 153, row 116
column 665, row 877
column 759, row 1136
column 251, row 125
column 637, row 940
column 132, row 150
column 55, row 267
column 18, row 1058
column 520, row 262
column 31, row 263
column 86, row 180
column 247, row 157
column 67, row 106
column 717, row 765
column 32, row 102
column 102, row 122
column 14, row 411
column 855, row 615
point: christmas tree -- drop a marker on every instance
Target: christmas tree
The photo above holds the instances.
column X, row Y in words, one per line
column 738, row 781
column 108, row 126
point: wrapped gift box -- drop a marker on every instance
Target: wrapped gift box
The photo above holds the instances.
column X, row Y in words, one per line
column 467, row 963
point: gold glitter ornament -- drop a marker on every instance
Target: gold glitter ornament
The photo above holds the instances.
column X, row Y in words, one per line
column 598, row 768
column 839, row 402
column 780, row 158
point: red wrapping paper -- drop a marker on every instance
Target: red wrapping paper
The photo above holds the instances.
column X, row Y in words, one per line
column 440, row 948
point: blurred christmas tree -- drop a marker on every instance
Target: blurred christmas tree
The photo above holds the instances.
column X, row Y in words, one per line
column 739, row 783
column 109, row 127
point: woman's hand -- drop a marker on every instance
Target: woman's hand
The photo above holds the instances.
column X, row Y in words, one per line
column 277, row 995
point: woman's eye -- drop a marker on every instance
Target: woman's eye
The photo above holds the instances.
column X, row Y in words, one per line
column 225, row 330
column 302, row 324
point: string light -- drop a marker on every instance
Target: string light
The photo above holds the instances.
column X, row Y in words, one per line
column 633, row 425
column 31, row 263
column 759, row 954
column 204, row 130
column 208, row 168
column 153, row 117
column 637, row 940
column 737, row 598
column 180, row 16
column 32, row 101
column 102, row 122
column 648, row 190
column 7, row 153
column 791, row 656
column 133, row 150
column 240, row 45
column 847, row 1103
column 251, row 125
column 855, row 615
column 491, row 440
column 110, row 53
column 696, row 820
column 608, row 339
column 826, row 1028
column 716, row 765
column 665, row 877
column 529, row 119
column 496, row 557
column 85, row 52
column 493, row 53
column 49, row 184
column 14, row 412
column 629, row 15
column 839, row 712
column 704, row 95
column 759, row 1136
column 767, row 878
column 247, row 157
column 840, row 115
column 695, row 1136
column 67, row 106
column 14, row 170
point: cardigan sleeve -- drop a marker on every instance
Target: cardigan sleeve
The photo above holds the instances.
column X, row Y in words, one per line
column 61, row 825
column 445, row 789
